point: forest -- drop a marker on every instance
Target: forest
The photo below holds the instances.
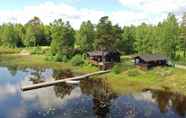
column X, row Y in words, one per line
column 167, row 37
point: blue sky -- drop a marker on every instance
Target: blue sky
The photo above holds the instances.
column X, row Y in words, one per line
column 122, row 12
column 107, row 5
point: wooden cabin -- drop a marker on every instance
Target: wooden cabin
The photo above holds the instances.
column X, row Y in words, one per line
column 104, row 59
column 148, row 61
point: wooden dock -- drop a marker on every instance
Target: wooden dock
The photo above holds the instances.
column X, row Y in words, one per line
column 54, row 82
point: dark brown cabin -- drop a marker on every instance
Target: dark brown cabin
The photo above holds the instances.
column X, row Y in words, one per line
column 104, row 59
column 150, row 60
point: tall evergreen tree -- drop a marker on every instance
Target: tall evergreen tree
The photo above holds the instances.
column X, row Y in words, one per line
column 170, row 36
column 128, row 39
column 63, row 38
column 9, row 36
column 183, row 35
column 107, row 35
column 141, row 42
column 117, row 37
column 104, row 40
column 20, row 31
column 86, row 36
column 35, row 34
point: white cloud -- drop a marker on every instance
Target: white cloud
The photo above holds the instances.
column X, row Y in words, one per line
column 49, row 11
column 136, row 18
column 128, row 18
column 133, row 12
column 149, row 11
column 155, row 6
column 6, row 91
column 47, row 98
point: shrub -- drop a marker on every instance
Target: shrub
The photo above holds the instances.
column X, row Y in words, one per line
column 178, row 57
column 58, row 57
column 64, row 58
column 49, row 57
column 133, row 73
column 77, row 60
column 37, row 50
column 117, row 69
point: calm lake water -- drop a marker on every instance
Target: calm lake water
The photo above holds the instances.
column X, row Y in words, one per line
column 90, row 99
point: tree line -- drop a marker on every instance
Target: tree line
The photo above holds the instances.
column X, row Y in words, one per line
column 167, row 37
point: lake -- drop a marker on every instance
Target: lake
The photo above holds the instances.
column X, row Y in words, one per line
column 91, row 98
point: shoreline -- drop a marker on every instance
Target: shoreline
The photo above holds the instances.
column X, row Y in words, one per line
column 129, row 80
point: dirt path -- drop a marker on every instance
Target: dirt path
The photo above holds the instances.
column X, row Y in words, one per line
column 24, row 52
column 180, row 66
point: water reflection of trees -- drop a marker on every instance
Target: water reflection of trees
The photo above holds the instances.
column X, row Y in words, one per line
column 98, row 89
column 36, row 76
column 179, row 104
column 166, row 99
column 102, row 95
column 13, row 70
column 63, row 89
column 62, row 74
column 163, row 99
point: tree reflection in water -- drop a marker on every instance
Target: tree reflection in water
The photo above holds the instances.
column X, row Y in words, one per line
column 163, row 100
column 167, row 100
column 13, row 70
column 36, row 76
column 97, row 89
column 62, row 89
column 62, row 74
column 102, row 95
column 179, row 104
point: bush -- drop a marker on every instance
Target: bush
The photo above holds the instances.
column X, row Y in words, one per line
column 178, row 57
column 77, row 60
column 37, row 50
column 64, row 58
column 49, row 57
column 117, row 69
column 133, row 73
column 60, row 57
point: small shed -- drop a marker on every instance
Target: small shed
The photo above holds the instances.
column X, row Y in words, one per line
column 150, row 60
column 104, row 59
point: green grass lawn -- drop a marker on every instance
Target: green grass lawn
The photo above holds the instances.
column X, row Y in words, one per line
column 158, row 78
column 9, row 50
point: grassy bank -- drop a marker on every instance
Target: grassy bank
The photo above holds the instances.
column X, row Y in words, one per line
column 126, row 78
column 39, row 61
column 135, row 79
column 9, row 50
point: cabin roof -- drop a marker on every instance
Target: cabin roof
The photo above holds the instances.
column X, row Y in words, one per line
column 151, row 57
column 102, row 53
